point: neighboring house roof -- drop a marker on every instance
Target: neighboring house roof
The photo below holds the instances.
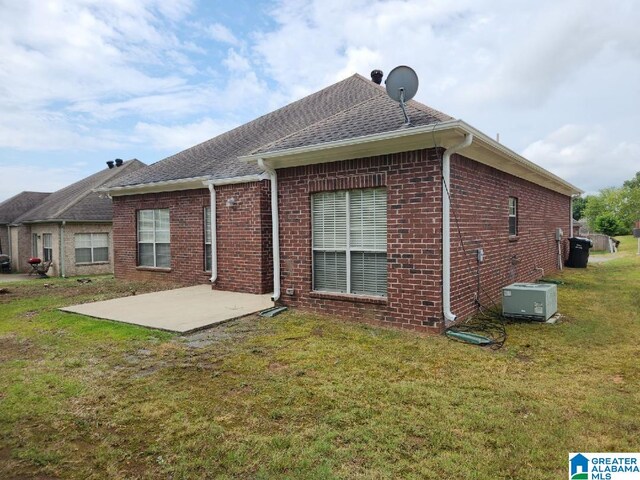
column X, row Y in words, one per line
column 353, row 118
column 19, row 204
column 78, row 201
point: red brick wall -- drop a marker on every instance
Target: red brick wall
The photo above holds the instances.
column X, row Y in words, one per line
column 241, row 231
column 480, row 196
column 480, row 200
column 244, row 239
column 412, row 180
column 414, row 236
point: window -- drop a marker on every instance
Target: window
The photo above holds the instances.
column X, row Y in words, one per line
column 92, row 247
column 349, row 230
column 47, row 247
column 513, row 216
column 153, row 238
column 34, row 245
column 207, row 239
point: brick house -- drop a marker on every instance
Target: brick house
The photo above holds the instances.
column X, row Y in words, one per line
column 70, row 227
column 336, row 206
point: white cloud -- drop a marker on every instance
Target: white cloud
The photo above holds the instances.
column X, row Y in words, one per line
column 220, row 33
column 77, row 74
column 49, row 179
column 178, row 137
column 587, row 156
column 236, row 62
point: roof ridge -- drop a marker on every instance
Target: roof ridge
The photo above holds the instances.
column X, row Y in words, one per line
column 120, row 170
column 415, row 103
column 256, row 119
column 322, row 120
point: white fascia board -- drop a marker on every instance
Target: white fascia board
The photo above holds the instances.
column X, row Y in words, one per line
column 155, row 187
column 235, row 180
column 175, row 185
column 445, row 134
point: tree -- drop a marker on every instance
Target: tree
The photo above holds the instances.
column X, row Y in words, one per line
column 609, row 224
column 631, row 199
column 614, row 208
column 579, row 203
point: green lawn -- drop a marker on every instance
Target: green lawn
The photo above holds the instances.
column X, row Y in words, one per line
column 300, row 396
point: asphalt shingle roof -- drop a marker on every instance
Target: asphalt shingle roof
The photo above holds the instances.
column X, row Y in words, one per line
column 17, row 205
column 78, row 201
column 350, row 108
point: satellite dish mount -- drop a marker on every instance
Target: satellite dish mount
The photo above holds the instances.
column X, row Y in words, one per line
column 402, row 85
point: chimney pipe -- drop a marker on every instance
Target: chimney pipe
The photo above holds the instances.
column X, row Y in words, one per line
column 376, row 76
column 119, row 162
column 110, row 164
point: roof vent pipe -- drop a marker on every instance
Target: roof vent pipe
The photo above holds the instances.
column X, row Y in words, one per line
column 119, row 162
column 110, row 164
column 376, row 76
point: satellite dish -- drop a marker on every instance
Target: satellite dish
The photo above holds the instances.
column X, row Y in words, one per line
column 402, row 86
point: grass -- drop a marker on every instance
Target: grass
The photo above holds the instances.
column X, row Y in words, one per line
column 301, row 396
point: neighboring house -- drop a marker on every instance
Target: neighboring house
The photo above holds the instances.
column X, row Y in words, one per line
column 362, row 226
column 70, row 227
column 11, row 209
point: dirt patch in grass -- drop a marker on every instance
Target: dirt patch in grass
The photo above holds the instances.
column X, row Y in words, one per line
column 14, row 348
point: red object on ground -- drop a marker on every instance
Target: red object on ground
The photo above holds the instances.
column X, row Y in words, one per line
column 34, row 261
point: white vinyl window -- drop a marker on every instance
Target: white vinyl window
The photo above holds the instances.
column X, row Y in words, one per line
column 92, row 247
column 513, row 216
column 154, row 247
column 34, row 245
column 47, row 247
column 207, row 239
column 349, row 234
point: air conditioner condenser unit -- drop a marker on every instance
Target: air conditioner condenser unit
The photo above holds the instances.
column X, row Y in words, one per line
column 532, row 301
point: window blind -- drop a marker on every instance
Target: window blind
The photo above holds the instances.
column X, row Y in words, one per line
column 349, row 231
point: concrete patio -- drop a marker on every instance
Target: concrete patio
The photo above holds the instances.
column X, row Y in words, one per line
column 182, row 310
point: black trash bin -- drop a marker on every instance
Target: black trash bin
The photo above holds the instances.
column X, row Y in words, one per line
column 579, row 252
column 5, row 264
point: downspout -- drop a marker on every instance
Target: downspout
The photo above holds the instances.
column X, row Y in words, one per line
column 214, row 238
column 10, row 246
column 61, row 240
column 275, row 227
column 571, row 216
column 446, row 227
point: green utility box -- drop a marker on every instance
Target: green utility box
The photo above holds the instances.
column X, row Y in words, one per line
column 532, row 301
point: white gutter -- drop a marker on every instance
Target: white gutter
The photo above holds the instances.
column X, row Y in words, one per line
column 275, row 227
column 446, row 227
column 162, row 186
column 212, row 183
column 482, row 140
column 571, row 217
column 61, row 240
column 214, row 237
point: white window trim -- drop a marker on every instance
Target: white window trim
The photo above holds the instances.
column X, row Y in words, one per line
column 207, row 219
column 45, row 248
column 93, row 261
column 348, row 249
column 513, row 215
column 154, row 243
column 34, row 245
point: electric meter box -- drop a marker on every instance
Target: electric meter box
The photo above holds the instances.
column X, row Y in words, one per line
column 533, row 301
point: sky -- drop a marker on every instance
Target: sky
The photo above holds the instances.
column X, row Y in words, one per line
column 86, row 81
